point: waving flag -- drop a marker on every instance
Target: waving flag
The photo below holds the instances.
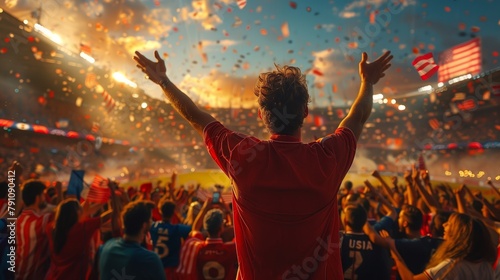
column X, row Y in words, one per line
column 460, row 60
column 425, row 66
column 75, row 185
column 241, row 4
column 421, row 163
column 99, row 191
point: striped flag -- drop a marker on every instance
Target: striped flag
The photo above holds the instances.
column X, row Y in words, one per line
column 421, row 163
column 99, row 191
column 460, row 60
column 425, row 66
column 241, row 4
column 495, row 89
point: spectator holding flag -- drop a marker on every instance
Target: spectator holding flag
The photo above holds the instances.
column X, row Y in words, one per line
column 70, row 236
column 272, row 177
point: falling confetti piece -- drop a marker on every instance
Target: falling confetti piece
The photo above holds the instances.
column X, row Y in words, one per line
column 447, row 9
column 372, row 17
column 352, row 45
column 495, row 53
column 415, row 50
column 285, row 30
column 263, row 32
column 475, row 29
column 317, row 72
column 461, row 26
column 293, row 5
column 241, row 4
column 308, row 9
column 237, row 22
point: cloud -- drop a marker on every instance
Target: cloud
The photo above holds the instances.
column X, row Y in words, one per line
column 348, row 11
column 220, row 90
column 346, row 14
column 131, row 44
column 226, row 43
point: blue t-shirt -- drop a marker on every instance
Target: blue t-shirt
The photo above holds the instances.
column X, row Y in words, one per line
column 167, row 241
column 122, row 259
column 361, row 259
column 417, row 252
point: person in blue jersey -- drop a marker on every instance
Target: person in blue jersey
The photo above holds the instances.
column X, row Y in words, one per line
column 167, row 238
column 362, row 259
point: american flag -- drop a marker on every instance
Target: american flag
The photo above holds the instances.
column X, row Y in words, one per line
column 460, row 60
column 425, row 66
column 99, row 191
column 495, row 89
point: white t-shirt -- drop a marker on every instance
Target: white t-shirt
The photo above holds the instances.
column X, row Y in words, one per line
column 462, row 270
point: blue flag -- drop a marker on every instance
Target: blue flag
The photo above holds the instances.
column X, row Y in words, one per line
column 75, row 185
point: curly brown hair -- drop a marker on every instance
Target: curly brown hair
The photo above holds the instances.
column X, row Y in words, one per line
column 283, row 98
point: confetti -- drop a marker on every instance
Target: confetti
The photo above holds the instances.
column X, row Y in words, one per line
column 241, row 4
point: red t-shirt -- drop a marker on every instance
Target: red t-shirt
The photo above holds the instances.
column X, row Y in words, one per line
column 32, row 252
column 74, row 261
column 285, row 206
column 216, row 260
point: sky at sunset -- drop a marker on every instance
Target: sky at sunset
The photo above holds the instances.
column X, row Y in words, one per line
column 215, row 50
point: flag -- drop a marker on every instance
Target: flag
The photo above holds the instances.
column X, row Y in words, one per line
column 421, row 163
column 227, row 197
column 318, row 120
column 75, row 185
column 460, row 60
column 203, row 194
column 95, row 127
column 99, row 191
column 85, row 48
column 425, row 66
column 495, row 89
column 241, row 4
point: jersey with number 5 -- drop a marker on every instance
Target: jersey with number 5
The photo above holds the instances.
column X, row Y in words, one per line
column 167, row 241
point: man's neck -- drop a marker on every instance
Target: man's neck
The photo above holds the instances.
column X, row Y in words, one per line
column 348, row 229
column 33, row 208
column 413, row 234
column 137, row 238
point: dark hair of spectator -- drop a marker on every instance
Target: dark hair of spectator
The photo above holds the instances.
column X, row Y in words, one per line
column 66, row 218
column 135, row 214
column 282, row 97
column 213, row 221
column 355, row 217
column 4, row 187
column 413, row 217
column 437, row 228
column 31, row 189
column 168, row 209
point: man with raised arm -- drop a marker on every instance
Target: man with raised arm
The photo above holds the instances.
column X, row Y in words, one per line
column 284, row 191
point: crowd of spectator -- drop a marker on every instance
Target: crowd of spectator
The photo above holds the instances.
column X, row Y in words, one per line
column 170, row 232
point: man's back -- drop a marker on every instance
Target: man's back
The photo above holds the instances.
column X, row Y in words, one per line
column 361, row 259
column 125, row 259
column 32, row 253
column 285, row 212
column 167, row 241
column 216, row 260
